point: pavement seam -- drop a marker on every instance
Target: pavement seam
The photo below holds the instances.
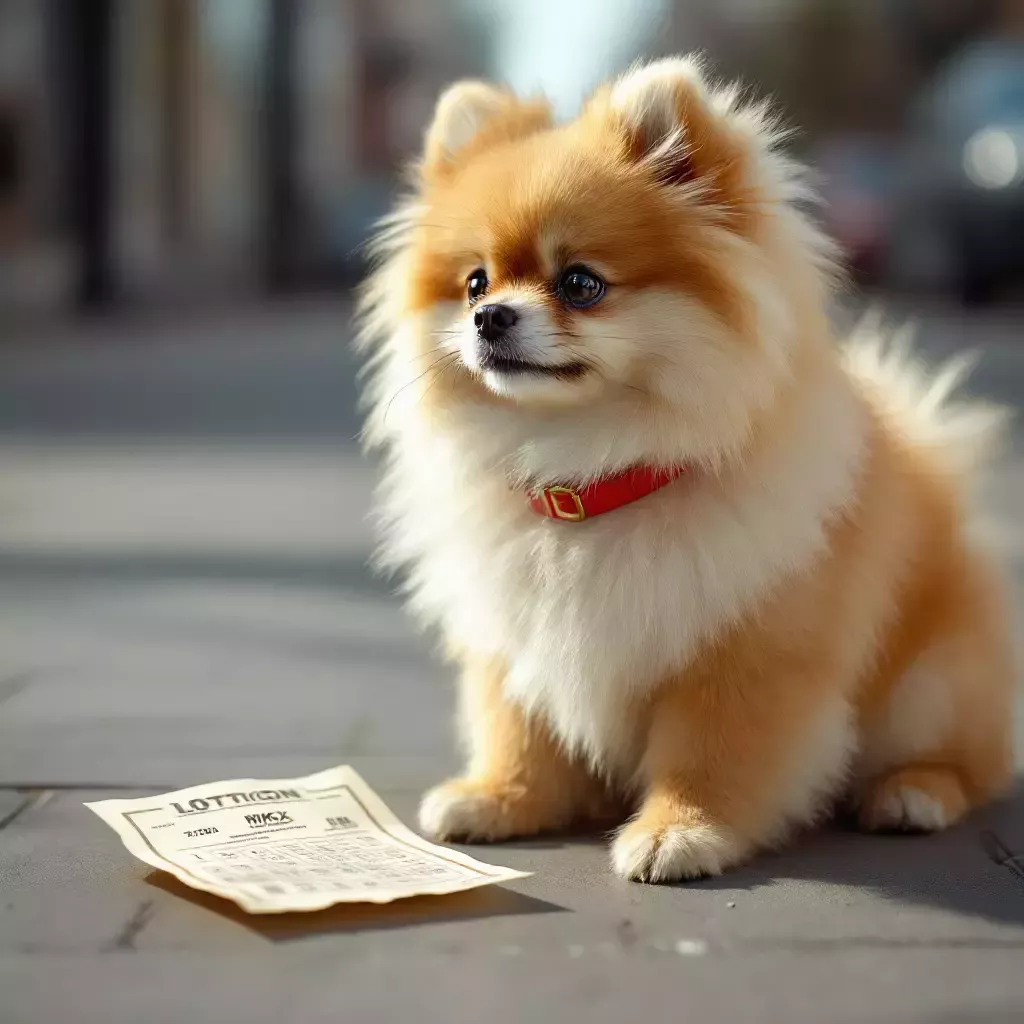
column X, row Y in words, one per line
column 830, row 945
column 132, row 928
column 11, row 686
column 1000, row 854
column 33, row 798
column 83, row 787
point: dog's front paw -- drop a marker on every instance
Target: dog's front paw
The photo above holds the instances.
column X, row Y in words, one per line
column 646, row 852
column 475, row 811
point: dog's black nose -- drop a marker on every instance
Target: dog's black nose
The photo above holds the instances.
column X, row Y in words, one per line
column 493, row 320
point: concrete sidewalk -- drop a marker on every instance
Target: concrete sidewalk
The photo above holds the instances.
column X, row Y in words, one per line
column 181, row 608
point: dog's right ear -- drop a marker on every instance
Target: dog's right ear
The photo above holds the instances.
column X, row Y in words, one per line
column 472, row 115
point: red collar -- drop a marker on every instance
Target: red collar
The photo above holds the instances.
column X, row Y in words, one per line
column 604, row 495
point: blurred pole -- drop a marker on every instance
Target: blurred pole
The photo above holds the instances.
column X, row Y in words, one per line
column 177, row 31
column 279, row 137
column 89, row 48
column 58, row 119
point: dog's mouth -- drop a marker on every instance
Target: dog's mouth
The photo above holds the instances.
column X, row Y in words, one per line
column 493, row 363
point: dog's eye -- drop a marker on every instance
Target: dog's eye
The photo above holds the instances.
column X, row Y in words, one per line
column 580, row 287
column 476, row 284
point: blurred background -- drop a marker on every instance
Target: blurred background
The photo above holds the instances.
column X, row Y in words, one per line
column 156, row 151
column 184, row 189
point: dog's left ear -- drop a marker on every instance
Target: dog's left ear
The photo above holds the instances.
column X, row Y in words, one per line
column 681, row 129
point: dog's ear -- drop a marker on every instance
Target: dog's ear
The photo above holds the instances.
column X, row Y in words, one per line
column 682, row 130
column 472, row 115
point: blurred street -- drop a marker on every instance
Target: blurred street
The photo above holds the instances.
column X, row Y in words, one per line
column 183, row 540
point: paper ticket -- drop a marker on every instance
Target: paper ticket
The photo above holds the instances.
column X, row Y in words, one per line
column 277, row 845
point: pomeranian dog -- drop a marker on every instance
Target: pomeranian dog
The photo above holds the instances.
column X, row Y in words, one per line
column 705, row 571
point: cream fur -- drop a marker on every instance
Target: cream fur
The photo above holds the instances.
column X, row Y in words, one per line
column 593, row 624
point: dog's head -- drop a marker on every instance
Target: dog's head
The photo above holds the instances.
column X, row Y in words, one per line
column 650, row 252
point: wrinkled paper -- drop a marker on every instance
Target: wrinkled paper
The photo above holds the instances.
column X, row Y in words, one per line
column 277, row 845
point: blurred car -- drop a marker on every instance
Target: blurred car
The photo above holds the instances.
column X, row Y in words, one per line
column 959, row 218
column 856, row 186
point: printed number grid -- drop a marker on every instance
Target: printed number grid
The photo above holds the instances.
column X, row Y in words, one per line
column 338, row 863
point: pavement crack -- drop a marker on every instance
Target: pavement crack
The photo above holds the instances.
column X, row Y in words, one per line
column 1000, row 854
column 32, row 798
column 13, row 685
column 625, row 931
column 133, row 927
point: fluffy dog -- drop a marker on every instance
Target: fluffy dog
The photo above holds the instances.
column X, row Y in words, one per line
column 704, row 570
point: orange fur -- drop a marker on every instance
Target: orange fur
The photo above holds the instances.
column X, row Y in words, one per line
column 898, row 582
column 799, row 619
column 519, row 782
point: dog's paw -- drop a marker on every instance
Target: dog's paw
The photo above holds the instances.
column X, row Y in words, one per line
column 667, row 853
column 914, row 800
column 472, row 811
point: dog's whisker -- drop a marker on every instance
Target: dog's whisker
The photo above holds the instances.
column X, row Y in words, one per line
column 449, row 357
column 440, row 373
column 433, row 353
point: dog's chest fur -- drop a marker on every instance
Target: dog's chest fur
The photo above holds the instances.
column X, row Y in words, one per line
column 589, row 616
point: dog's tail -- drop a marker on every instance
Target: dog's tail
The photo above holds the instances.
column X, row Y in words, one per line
column 922, row 403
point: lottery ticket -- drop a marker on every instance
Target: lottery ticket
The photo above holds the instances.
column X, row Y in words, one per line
column 278, row 845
